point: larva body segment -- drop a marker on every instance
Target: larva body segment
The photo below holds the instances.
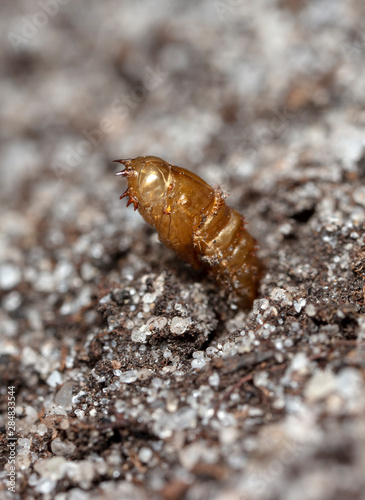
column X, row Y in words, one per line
column 194, row 220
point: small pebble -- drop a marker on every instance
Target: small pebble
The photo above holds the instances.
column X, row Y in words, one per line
column 179, row 325
column 10, row 276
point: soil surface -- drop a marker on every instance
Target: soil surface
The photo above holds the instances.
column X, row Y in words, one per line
column 134, row 376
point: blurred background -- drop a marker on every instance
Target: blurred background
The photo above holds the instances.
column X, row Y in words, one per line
column 225, row 87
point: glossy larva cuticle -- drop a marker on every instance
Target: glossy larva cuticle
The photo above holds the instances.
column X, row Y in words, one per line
column 194, row 220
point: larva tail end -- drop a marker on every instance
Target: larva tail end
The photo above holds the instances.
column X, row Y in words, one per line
column 132, row 198
column 128, row 170
column 127, row 161
column 126, row 193
column 127, row 173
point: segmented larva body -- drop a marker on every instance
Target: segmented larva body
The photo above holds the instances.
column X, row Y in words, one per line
column 194, row 220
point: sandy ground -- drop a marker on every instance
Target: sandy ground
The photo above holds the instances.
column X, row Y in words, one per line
column 135, row 377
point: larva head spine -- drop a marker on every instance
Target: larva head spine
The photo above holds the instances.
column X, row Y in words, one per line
column 148, row 179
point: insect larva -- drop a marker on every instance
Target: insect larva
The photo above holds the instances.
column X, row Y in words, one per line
column 194, row 220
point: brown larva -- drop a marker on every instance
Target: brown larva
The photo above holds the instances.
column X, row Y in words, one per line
column 194, row 220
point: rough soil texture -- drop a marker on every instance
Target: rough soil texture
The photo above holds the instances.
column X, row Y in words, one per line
column 136, row 377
